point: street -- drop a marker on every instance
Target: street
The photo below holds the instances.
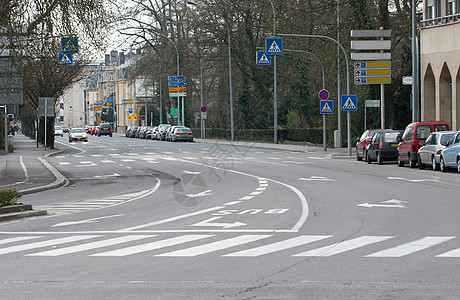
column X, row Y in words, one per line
column 144, row 219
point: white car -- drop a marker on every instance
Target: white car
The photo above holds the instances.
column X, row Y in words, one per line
column 78, row 134
column 58, row 131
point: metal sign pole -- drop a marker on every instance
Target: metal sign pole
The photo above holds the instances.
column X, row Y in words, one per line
column 46, row 108
column 324, row 133
column 6, row 130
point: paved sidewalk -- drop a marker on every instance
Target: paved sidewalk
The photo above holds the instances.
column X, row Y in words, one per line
column 26, row 168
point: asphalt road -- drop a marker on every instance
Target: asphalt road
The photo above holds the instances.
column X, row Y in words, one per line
column 144, row 219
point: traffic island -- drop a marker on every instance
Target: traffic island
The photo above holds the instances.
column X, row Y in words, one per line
column 10, row 209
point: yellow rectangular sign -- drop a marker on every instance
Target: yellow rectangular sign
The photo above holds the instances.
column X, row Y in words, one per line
column 372, row 72
column 177, row 88
column 372, row 80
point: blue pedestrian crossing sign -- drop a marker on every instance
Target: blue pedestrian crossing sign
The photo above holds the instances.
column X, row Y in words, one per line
column 326, row 107
column 65, row 58
column 349, row 102
column 69, row 44
column 274, row 46
column 262, row 58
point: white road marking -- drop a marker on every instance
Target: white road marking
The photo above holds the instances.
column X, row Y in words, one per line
column 412, row 247
column 107, row 161
column 278, row 246
column 93, row 220
column 90, row 246
column 46, row 243
column 216, row 246
column 232, row 203
column 344, row 246
column 201, row 194
column 18, row 239
column 452, row 253
column 153, row 246
column 246, row 198
column 209, row 223
column 316, row 178
column 64, row 163
column 128, row 160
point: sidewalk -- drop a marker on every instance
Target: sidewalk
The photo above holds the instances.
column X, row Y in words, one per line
column 26, row 169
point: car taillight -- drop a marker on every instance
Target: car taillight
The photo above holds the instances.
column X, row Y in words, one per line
column 190, row 133
column 110, row 128
column 177, row 133
column 439, row 152
column 381, row 144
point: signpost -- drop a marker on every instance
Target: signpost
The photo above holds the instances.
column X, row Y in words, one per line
column 178, row 88
column 263, row 59
column 325, row 107
column 274, row 46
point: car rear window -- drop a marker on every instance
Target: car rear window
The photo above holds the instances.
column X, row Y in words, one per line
column 423, row 131
column 78, row 130
column 442, row 127
column 445, row 138
column 391, row 137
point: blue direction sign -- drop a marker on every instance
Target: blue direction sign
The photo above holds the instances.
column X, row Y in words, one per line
column 326, row 107
column 274, row 46
column 177, row 78
column 178, row 83
column 349, row 102
column 65, row 58
column 263, row 59
column 69, row 44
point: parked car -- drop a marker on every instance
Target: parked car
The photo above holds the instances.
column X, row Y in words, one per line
column 88, row 129
column 384, row 146
column 140, row 132
column 78, row 134
column 133, row 131
column 450, row 156
column 363, row 142
column 105, row 129
column 128, row 130
column 182, row 134
column 162, row 133
column 430, row 152
column 58, row 131
column 65, row 128
column 170, row 131
column 414, row 134
column 148, row 132
column 154, row 133
column 94, row 130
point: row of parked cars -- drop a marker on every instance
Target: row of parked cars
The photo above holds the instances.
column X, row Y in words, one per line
column 162, row 132
column 422, row 144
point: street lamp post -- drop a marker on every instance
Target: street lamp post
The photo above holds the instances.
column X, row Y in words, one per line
column 229, row 37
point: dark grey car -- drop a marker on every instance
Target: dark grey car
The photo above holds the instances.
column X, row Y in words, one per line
column 105, row 129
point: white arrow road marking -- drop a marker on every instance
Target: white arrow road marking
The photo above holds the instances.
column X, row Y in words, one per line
column 202, row 194
column 93, row 220
column 316, row 178
column 395, row 203
column 412, row 180
column 208, row 223
column 101, row 176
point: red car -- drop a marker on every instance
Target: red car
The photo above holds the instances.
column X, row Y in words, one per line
column 415, row 134
column 362, row 143
column 94, row 130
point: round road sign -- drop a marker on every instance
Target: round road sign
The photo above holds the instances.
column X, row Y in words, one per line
column 204, row 108
column 323, row 94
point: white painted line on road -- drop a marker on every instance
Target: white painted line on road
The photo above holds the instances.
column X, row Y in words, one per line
column 453, row 253
column 48, row 243
column 64, row 163
column 316, row 178
column 412, row 247
column 255, row 193
column 216, row 246
column 173, row 218
column 246, row 198
column 153, row 246
column 107, row 161
column 278, row 246
column 90, row 246
column 128, row 160
column 232, row 203
column 344, row 246
column 18, row 239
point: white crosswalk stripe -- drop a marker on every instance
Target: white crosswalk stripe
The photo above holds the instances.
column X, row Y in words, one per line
column 90, row 246
column 47, row 243
column 411, row 247
column 220, row 245
column 344, row 246
column 283, row 245
column 153, row 246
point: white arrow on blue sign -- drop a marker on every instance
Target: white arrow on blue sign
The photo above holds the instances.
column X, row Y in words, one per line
column 263, row 59
column 179, row 83
column 178, row 78
column 274, row 46
column 349, row 102
column 326, row 107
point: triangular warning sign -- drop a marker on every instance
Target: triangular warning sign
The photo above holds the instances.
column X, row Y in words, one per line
column 274, row 48
column 349, row 104
column 326, row 108
column 65, row 60
column 264, row 59
column 70, row 46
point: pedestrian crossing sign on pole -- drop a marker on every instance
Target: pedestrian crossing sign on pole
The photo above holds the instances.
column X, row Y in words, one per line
column 349, row 102
column 65, row 58
column 326, row 106
column 262, row 58
column 69, row 44
column 274, row 46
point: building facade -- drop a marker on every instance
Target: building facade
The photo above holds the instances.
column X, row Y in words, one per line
column 440, row 61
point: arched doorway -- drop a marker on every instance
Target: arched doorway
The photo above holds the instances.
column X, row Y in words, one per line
column 429, row 96
column 445, row 95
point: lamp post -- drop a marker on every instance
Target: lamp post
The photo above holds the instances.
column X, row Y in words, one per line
column 178, row 61
column 232, row 122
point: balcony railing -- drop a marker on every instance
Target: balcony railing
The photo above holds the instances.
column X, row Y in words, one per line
column 441, row 20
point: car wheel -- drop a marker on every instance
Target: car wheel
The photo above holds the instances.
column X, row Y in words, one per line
column 412, row 163
column 379, row 159
column 458, row 164
column 110, row 135
column 434, row 164
column 442, row 166
column 400, row 163
column 358, row 158
column 70, row 141
column 419, row 163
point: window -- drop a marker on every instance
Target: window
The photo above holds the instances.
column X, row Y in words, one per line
column 445, row 138
column 450, row 10
column 429, row 140
column 441, row 128
column 408, row 134
column 391, row 137
column 457, row 139
column 438, row 11
column 111, row 76
column 423, row 132
column 429, row 15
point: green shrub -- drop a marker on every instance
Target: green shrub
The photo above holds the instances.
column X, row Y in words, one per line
column 9, row 197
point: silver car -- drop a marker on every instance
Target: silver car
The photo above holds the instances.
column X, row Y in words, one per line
column 429, row 154
column 78, row 134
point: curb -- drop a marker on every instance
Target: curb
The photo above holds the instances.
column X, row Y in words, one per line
column 21, row 215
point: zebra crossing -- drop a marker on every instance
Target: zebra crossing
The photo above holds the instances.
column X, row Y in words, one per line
column 193, row 245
